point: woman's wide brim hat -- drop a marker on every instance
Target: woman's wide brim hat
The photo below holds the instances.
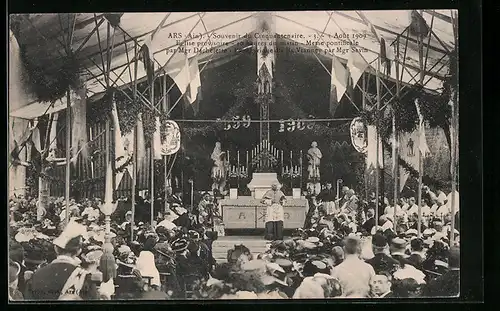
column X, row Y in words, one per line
column 179, row 245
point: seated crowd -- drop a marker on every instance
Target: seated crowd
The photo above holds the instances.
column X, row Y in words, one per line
column 339, row 253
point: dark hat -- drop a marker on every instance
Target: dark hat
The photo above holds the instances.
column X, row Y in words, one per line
column 300, row 257
column 179, row 245
column 194, row 235
column 378, row 240
column 417, row 244
column 311, row 267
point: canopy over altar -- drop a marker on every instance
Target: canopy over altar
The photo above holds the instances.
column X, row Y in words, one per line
column 42, row 36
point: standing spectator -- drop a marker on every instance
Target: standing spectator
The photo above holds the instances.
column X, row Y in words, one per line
column 353, row 273
column 381, row 262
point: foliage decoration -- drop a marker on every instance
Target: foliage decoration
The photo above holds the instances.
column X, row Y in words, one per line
column 48, row 82
column 409, row 169
column 434, row 108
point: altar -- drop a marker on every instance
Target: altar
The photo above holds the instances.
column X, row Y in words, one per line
column 249, row 213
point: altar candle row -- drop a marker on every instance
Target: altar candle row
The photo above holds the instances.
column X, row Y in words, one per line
column 292, row 170
column 239, row 170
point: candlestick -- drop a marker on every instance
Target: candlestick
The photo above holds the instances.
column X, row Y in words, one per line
column 238, row 160
column 282, row 168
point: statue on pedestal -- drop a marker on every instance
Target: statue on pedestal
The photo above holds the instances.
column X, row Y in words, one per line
column 219, row 171
column 314, row 156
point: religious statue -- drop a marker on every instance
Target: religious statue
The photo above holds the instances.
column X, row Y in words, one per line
column 274, row 199
column 219, row 169
column 314, row 156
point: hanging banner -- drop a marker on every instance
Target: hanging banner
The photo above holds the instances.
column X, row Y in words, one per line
column 358, row 135
column 371, row 149
column 172, row 142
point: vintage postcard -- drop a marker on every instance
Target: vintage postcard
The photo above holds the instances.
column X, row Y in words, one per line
column 233, row 155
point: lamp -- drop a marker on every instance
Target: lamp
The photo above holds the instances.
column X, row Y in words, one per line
column 107, row 263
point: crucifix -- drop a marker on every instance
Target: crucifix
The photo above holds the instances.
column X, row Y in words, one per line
column 265, row 41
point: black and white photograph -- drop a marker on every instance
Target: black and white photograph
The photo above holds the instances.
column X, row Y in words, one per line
column 270, row 155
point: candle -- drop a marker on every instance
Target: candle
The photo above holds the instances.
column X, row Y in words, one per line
column 282, row 168
column 228, row 157
column 268, row 145
column 238, row 160
column 291, row 159
column 247, row 158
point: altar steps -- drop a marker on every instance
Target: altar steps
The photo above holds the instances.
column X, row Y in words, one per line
column 256, row 244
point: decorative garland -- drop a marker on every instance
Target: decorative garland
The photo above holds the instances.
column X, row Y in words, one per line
column 46, row 82
column 434, row 109
column 408, row 168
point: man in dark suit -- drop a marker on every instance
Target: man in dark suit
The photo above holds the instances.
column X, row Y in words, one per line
column 448, row 284
column 370, row 221
column 417, row 253
column 398, row 248
column 380, row 286
column 381, row 262
column 63, row 277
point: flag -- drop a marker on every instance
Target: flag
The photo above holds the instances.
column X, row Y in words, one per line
column 356, row 65
column 418, row 26
column 422, row 142
column 384, row 60
column 403, row 177
column 334, row 103
column 157, row 140
column 188, row 79
column 148, row 58
column 53, row 132
column 35, row 135
column 408, row 149
column 338, row 84
column 265, row 40
column 141, row 145
column 371, row 154
column 79, row 124
column 394, row 145
column 121, row 154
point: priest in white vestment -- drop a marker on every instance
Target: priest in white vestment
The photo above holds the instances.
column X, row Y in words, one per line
column 274, row 199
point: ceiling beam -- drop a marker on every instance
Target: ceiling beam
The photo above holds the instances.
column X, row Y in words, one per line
column 434, row 48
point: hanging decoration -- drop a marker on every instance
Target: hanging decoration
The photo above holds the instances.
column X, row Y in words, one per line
column 292, row 125
column 239, row 121
column 172, row 141
column 358, row 135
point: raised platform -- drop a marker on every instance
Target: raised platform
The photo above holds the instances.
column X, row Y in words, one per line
column 248, row 213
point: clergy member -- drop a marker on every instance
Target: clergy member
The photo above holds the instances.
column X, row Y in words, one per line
column 274, row 199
